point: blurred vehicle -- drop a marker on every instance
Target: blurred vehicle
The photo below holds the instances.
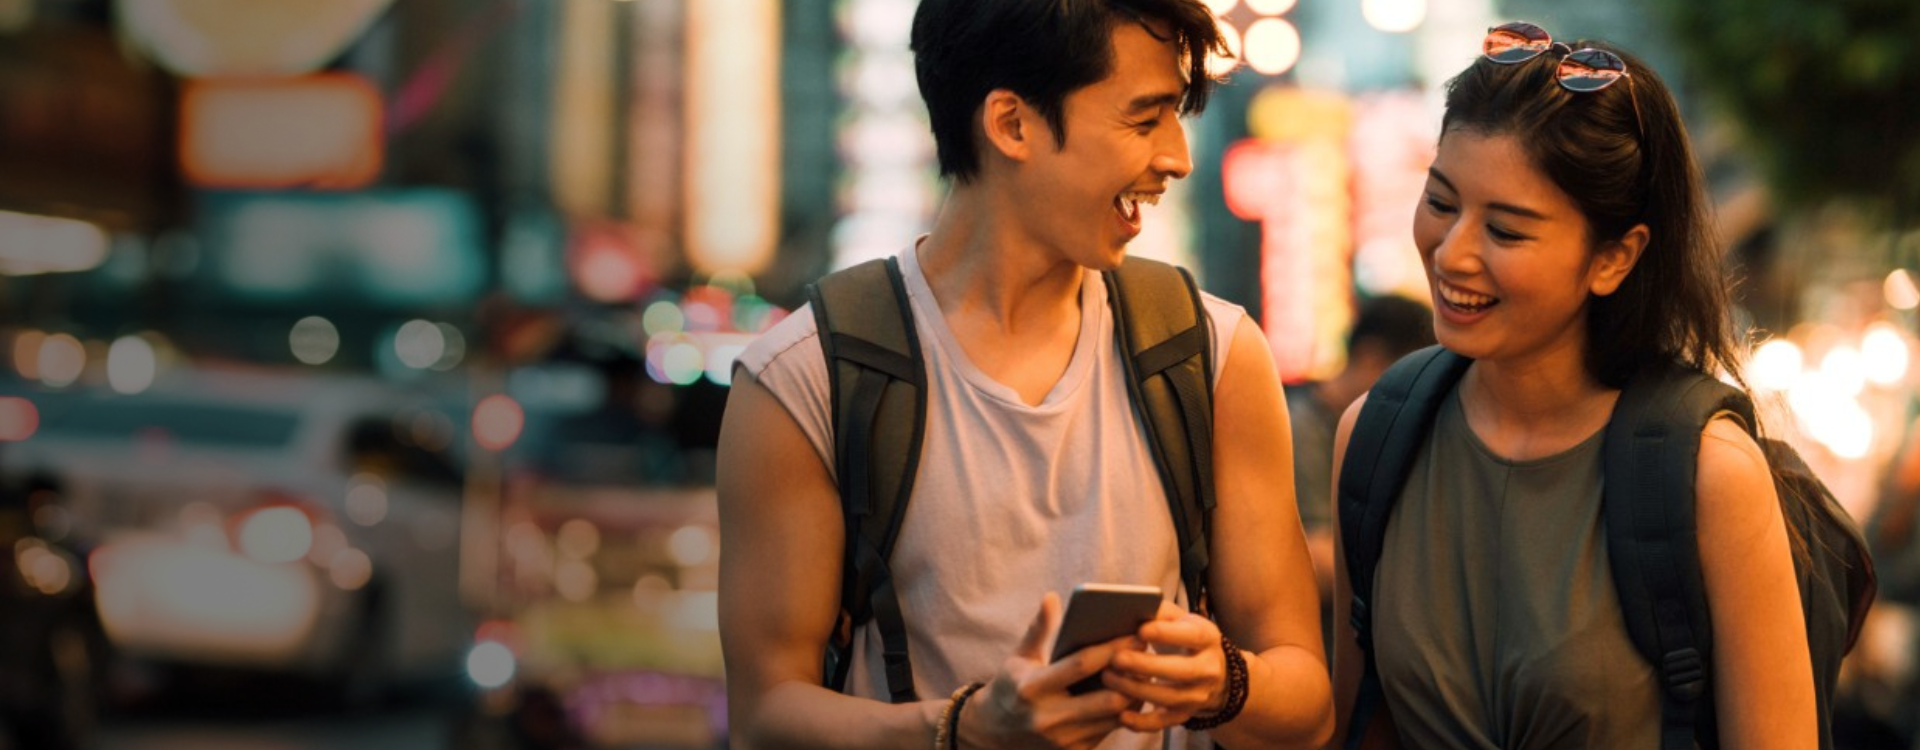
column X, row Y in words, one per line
column 51, row 646
column 611, row 638
column 295, row 524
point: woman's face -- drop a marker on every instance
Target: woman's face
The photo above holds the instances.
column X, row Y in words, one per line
column 1506, row 252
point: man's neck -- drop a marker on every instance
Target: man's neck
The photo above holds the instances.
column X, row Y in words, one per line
column 981, row 260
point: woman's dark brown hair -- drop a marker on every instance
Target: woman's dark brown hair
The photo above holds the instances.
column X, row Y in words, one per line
column 1675, row 303
column 1624, row 167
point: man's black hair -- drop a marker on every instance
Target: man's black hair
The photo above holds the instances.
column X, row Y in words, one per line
column 1042, row 50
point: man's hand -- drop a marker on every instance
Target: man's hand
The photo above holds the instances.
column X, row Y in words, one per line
column 1027, row 704
column 1186, row 677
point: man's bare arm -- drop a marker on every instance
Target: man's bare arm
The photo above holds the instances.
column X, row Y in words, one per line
column 1261, row 579
column 781, row 540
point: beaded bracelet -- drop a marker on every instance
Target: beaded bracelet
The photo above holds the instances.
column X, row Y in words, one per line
column 946, row 733
column 1236, row 690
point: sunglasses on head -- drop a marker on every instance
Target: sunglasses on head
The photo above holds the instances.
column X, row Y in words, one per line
column 1581, row 70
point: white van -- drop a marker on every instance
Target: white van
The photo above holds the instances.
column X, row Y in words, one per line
column 278, row 522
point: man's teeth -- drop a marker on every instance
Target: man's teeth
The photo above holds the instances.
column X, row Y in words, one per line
column 1128, row 204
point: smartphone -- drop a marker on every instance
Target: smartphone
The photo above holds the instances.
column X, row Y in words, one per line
column 1101, row 612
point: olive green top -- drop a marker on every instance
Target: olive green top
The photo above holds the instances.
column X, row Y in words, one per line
column 1497, row 625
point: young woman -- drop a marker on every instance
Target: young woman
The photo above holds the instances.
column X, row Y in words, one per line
column 1565, row 236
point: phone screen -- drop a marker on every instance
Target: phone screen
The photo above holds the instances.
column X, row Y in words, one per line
column 1100, row 612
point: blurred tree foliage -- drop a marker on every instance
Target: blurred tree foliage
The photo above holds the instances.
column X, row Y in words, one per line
column 1827, row 93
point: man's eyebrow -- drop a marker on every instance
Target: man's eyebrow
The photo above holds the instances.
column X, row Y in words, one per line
column 1152, row 101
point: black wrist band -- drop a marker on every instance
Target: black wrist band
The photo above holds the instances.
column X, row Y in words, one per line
column 953, row 720
column 1236, row 690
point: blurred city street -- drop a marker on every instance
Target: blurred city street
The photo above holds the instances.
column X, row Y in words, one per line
column 398, row 731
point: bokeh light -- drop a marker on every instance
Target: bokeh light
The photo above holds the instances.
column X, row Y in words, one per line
column 62, row 359
column 314, row 340
column 1218, row 65
column 682, row 363
column 34, row 244
column 366, row 499
column 490, row 665
column 276, row 534
column 47, row 571
column 26, row 353
column 1270, row 7
column 528, row 547
column 751, row 314
column 453, row 347
column 1272, row 46
column 1847, row 430
column 497, row 421
column 328, row 540
column 1394, row 16
column 131, row 365
column 1884, row 354
column 663, row 317
column 605, row 267
column 1844, row 370
column 577, row 539
column 701, row 315
column 420, row 344
column 350, row 569
column 1776, row 365
column 1900, row 290
column 575, row 580
column 690, row 545
column 19, row 419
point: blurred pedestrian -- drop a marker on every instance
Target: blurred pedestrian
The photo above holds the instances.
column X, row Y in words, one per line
column 1384, row 330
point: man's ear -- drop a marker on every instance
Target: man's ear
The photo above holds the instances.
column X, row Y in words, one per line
column 1616, row 259
column 1005, row 119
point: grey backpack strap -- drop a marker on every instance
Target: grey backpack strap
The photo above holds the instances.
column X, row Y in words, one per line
column 1166, row 344
column 879, row 405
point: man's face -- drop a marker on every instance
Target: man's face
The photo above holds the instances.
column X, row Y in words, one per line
column 1124, row 143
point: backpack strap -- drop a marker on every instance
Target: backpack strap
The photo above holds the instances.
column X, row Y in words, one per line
column 879, row 404
column 1389, row 434
column 1166, row 347
column 1650, row 457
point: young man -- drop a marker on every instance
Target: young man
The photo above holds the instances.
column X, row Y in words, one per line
column 1053, row 119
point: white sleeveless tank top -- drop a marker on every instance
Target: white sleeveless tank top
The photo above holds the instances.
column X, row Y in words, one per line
column 1011, row 500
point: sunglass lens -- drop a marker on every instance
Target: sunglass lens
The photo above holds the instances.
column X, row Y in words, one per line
column 1591, row 70
column 1515, row 42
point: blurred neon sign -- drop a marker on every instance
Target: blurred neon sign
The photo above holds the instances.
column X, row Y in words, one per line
column 321, row 131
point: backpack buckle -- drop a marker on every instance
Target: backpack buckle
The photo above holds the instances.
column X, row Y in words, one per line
column 1357, row 616
column 1684, row 673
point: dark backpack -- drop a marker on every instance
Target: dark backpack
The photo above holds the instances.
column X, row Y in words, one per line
column 1649, row 452
column 879, row 412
